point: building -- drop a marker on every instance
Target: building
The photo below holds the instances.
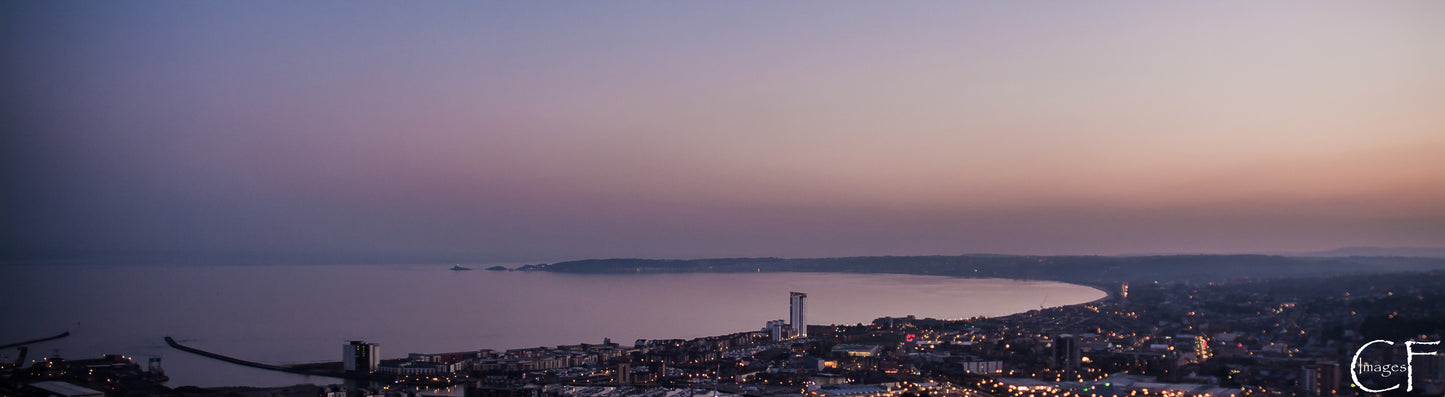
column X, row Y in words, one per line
column 982, row 367
column 62, row 389
column 359, row 356
column 851, row 350
column 797, row 312
column 776, row 330
column 624, row 373
column 422, row 368
column 1321, row 379
column 1066, row 352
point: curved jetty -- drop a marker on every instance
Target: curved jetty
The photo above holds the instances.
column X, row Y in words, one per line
column 232, row 360
column 300, row 369
column 33, row 341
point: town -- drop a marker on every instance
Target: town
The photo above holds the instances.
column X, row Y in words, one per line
column 1282, row 337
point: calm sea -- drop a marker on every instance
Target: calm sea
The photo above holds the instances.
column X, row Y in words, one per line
column 292, row 314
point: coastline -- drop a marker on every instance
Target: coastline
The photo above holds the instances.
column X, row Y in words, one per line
column 330, row 369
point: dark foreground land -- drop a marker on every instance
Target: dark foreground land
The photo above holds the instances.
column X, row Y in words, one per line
column 1262, row 326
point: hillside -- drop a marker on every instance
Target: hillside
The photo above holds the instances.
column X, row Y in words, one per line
column 1094, row 270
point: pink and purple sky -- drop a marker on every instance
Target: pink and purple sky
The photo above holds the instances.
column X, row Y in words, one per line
column 543, row 131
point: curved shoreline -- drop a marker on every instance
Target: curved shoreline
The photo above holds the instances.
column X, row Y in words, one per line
column 1044, row 287
column 1099, row 288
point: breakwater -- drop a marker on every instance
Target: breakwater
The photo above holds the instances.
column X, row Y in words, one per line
column 34, row 341
column 313, row 372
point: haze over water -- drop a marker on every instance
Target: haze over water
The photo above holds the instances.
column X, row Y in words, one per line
column 290, row 314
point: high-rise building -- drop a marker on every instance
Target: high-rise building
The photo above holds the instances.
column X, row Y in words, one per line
column 797, row 319
column 359, row 356
column 1066, row 352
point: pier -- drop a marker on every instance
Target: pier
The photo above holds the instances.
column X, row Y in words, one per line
column 312, row 371
column 34, row 341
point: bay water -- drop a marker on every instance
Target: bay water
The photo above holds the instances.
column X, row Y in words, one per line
column 305, row 313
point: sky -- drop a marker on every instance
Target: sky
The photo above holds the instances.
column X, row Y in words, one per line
column 547, row 131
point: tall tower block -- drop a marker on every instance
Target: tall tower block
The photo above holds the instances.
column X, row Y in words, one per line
column 359, row 356
column 796, row 310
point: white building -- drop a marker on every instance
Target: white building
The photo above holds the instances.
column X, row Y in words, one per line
column 983, row 367
column 797, row 320
column 420, row 368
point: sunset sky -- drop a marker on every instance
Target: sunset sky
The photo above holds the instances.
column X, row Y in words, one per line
column 545, row 131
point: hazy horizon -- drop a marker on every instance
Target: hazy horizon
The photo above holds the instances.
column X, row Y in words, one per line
column 540, row 132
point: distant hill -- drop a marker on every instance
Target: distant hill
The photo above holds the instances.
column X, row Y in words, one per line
column 1409, row 252
column 1094, row 270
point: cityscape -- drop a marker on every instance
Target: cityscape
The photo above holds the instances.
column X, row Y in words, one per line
column 1233, row 337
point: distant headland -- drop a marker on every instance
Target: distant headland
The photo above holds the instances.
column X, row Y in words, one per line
column 1088, row 270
